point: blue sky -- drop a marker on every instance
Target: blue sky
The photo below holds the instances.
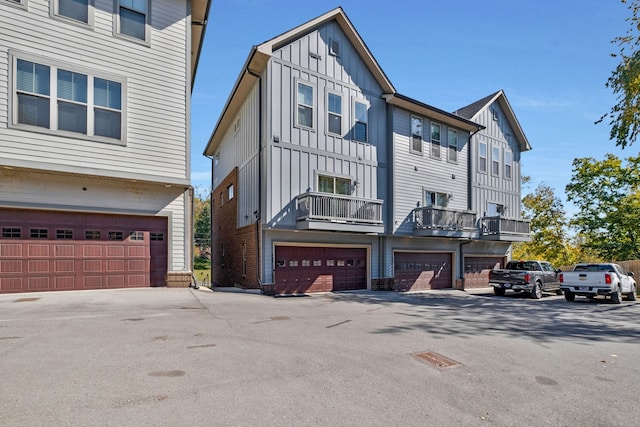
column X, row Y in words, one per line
column 552, row 59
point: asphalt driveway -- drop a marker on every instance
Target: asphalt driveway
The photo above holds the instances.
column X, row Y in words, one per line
column 139, row 357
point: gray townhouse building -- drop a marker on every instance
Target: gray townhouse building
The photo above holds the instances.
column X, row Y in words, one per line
column 325, row 178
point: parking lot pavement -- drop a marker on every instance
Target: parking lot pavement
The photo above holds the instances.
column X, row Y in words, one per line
column 190, row 357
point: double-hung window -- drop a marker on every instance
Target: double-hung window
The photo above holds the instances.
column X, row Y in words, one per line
column 334, row 113
column 77, row 10
column 495, row 161
column 133, row 18
column 435, row 140
column 416, row 134
column 452, row 140
column 482, row 157
column 335, row 185
column 508, row 162
column 304, row 112
column 361, row 113
column 59, row 99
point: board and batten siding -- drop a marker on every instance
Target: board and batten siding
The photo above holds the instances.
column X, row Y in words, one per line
column 156, row 89
column 413, row 173
column 490, row 188
column 296, row 155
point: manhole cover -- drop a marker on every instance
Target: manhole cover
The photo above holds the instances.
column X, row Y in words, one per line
column 437, row 360
column 26, row 299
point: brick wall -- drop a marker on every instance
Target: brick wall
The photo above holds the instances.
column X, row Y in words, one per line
column 229, row 268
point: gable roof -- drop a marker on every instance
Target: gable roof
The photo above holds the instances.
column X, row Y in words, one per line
column 472, row 111
column 199, row 17
column 259, row 57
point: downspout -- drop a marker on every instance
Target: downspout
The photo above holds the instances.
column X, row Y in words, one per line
column 258, row 212
column 191, row 234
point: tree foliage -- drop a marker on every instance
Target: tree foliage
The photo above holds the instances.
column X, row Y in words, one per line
column 624, row 117
column 202, row 219
column 607, row 196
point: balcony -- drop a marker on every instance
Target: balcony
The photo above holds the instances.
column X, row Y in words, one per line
column 432, row 221
column 499, row 228
column 324, row 211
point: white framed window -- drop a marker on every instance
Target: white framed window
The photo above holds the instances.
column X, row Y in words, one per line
column 334, row 113
column 452, row 143
column 334, row 184
column 495, row 161
column 435, row 199
column 19, row 3
column 361, row 121
column 495, row 209
column 334, row 47
column 54, row 98
column 435, row 140
column 132, row 18
column 508, row 163
column 80, row 11
column 482, row 157
column 305, row 95
column 416, row 135
column 230, row 192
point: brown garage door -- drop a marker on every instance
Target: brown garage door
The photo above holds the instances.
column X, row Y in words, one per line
column 46, row 251
column 476, row 270
column 319, row 269
column 414, row 271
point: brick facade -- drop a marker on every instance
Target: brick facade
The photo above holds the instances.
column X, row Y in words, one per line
column 234, row 255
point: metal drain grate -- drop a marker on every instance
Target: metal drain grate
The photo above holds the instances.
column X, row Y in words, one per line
column 437, row 360
column 26, row 299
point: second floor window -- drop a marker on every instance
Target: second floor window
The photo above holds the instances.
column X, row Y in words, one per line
column 435, row 140
column 230, row 192
column 305, row 105
column 495, row 161
column 70, row 101
column 482, row 157
column 335, row 185
column 334, row 112
column 508, row 162
column 452, row 140
column 133, row 17
column 361, row 122
column 416, row 134
column 78, row 10
column 433, row 199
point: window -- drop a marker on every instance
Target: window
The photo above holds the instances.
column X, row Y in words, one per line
column 361, row 122
column 482, row 157
column 156, row 237
column 78, row 10
column 11, row 232
column 116, row 235
column 416, row 134
column 39, row 233
column 335, row 185
column 494, row 114
column 60, row 99
column 435, row 140
column 19, row 3
column 136, row 235
column 433, row 199
column 334, row 47
column 230, row 192
column 92, row 235
column 334, row 113
column 508, row 162
column 305, row 105
column 495, row 161
column 495, row 209
column 221, row 199
column 133, row 17
column 452, row 140
column 64, row 234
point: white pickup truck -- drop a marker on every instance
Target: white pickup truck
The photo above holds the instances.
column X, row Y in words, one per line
column 590, row 280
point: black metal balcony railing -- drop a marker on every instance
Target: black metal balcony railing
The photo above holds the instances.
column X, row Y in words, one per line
column 427, row 218
column 498, row 225
column 338, row 208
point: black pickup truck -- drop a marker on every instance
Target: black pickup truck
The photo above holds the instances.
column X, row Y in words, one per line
column 533, row 277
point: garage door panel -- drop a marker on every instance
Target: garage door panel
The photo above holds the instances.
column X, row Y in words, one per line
column 415, row 271
column 476, row 270
column 319, row 269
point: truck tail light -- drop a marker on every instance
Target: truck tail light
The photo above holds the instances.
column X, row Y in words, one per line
column 526, row 278
column 561, row 278
column 607, row 278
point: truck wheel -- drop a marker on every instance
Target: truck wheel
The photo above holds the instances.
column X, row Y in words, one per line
column 631, row 296
column 569, row 296
column 616, row 297
column 498, row 291
column 536, row 292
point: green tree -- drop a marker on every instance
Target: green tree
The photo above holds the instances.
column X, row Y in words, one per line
column 549, row 237
column 202, row 220
column 606, row 195
column 624, row 117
